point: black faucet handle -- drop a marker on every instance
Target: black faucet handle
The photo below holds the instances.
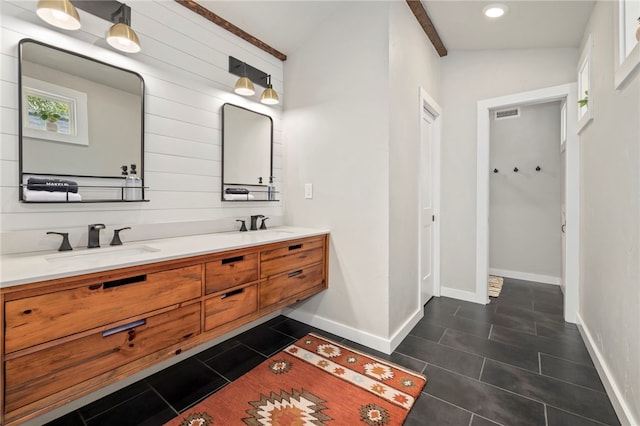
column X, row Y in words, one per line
column 243, row 227
column 264, row 225
column 97, row 226
column 65, row 245
column 116, row 241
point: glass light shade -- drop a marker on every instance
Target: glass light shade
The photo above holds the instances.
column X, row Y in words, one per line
column 244, row 87
column 269, row 96
column 120, row 36
column 59, row 13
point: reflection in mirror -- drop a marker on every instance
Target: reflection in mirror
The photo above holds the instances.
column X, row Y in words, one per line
column 81, row 120
column 247, row 140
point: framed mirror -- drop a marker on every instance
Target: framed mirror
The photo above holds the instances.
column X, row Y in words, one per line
column 247, row 154
column 81, row 120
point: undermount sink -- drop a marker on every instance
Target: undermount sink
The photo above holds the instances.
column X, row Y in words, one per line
column 100, row 253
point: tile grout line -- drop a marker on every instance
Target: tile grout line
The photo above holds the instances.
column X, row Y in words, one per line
column 546, row 417
column 564, row 410
column 484, row 360
column 457, row 309
column 483, row 383
column 539, row 363
column 463, row 409
column 171, row 407
column 490, row 331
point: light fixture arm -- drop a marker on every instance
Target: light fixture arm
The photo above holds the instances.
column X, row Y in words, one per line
column 122, row 15
column 109, row 10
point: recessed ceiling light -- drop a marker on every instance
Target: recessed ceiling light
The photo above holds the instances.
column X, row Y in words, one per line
column 495, row 10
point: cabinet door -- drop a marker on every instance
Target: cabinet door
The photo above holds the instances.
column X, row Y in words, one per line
column 288, row 285
column 32, row 377
column 38, row 319
column 291, row 256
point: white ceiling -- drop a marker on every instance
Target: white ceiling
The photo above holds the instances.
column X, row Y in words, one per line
column 285, row 25
column 526, row 25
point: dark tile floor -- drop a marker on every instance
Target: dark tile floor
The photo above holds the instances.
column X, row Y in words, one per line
column 512, row 362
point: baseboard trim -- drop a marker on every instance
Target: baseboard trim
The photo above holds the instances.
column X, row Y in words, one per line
column 613, row 390
column 404, row 330
column 468, row 296
column 526, row 276
column 362, row 337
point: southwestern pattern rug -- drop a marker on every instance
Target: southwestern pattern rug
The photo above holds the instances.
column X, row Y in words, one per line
column 315, row 381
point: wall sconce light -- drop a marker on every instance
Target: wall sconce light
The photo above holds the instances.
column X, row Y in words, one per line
column 59, row 13
column 250, row 75
column 269, row 96
column 63, row 14
column 244, row 86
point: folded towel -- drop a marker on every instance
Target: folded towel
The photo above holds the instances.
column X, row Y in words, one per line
column 236, row 197
column 52, row 185
column 236, row 191
column 50, row 196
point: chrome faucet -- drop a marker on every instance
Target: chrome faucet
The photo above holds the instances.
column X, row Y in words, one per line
column 254, row 222
column 94, row 235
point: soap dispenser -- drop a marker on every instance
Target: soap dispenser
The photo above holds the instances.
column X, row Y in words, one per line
column 128, row 183
column 136, row 184
column 271, row 190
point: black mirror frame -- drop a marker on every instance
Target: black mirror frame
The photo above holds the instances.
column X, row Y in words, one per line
column 20, row 120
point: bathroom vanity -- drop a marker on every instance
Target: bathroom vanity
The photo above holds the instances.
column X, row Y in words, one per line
column 78, row 322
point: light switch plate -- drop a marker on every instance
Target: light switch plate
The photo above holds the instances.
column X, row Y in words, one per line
column 308, row 191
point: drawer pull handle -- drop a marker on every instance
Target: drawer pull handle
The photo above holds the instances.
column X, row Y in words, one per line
column 95, row 286
column 293, row 274
column 232, row 259
column 124, row 281
column 232, row 293
column 27, row 312
column 295, row 247
column 124, row 327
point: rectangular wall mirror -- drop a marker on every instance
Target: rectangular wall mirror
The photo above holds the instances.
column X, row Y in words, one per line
column 81, row 120
column 247, row 154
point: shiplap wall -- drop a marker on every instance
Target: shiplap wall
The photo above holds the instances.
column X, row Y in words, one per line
column 184, row 62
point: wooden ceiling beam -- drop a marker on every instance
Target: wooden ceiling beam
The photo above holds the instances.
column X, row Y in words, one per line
column 429, row 29
column 221, row 22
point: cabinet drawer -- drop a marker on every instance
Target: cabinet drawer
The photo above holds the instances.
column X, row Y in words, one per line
column 288, row 285
column 39, row 319
column 292, row 256
column 230, row 271
column 225, row 307
column 34, row 376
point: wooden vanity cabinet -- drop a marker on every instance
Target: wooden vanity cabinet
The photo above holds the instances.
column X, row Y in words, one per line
column 68, row 337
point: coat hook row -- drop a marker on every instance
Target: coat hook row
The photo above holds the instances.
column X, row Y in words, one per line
column 516, row 169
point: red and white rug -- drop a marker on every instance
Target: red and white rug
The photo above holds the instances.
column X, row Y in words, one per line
column 315, row 381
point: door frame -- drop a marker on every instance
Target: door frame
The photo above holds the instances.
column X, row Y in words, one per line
column 572, row 189
column 435, row 111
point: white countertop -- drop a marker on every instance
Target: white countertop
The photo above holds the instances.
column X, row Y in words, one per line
column 16, row 269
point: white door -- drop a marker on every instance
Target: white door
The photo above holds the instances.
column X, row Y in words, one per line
column 427, row 213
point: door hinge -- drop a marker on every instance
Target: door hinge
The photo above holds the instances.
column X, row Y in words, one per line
column 433, row 218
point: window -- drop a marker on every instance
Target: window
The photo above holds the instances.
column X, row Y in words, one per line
column 628, row 49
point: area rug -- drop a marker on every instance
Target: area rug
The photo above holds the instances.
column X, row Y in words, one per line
column 315, row 381
column 495, row 285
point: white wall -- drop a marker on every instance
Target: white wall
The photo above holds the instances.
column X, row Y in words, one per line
column 351, row 129
column 468, row 77
column 610, row 222
column 184, row 62
column 336, row 137
column 413, row 63
column 525, row 219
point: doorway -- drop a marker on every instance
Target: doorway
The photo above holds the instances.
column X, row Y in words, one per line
column 571, row 200
column 429, row 197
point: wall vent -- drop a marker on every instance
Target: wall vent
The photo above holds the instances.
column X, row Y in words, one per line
column 508, row 113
